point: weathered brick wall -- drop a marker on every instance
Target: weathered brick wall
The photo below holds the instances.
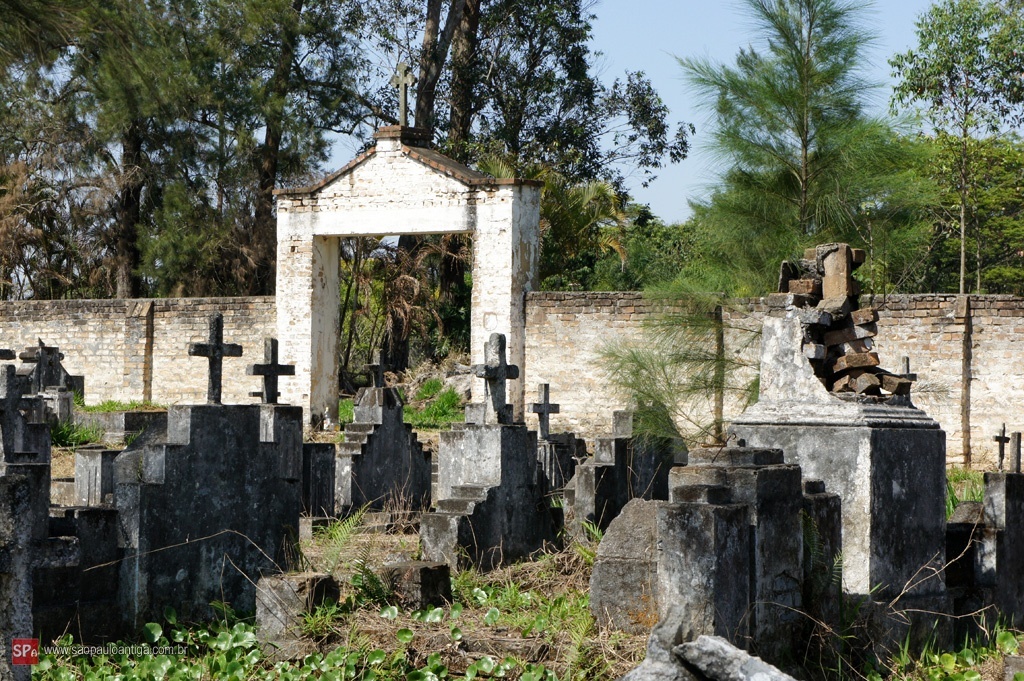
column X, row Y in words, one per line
column 178, row 378
column 138, row 349
column 567, row 333
column 946, row 337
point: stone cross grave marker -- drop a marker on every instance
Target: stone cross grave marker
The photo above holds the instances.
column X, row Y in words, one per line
column 403, row 79
column 1001, row 439
column 215, row 350
column 376, row 369
column 270, row 370
column 543, row 408
column 495, row 371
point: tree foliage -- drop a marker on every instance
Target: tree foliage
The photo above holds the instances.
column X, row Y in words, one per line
column 801, row 157
column 965, row 73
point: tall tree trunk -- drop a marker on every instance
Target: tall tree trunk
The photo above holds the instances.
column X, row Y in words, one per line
column 129, row 210
column 464, row 45
column 264, row 236
column 963, row 213
column 436, row 43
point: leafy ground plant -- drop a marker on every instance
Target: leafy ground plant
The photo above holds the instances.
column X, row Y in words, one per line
column 68, row 434
column 963, row 485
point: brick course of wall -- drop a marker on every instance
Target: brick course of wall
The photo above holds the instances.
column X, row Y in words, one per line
column 137, row 349
column 946, row 337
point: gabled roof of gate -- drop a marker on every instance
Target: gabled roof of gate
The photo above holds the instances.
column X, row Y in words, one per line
column 439, row 163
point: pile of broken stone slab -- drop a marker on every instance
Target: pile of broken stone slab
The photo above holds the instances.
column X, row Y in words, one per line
column 837, row 335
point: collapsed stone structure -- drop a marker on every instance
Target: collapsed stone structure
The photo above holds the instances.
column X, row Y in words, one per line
column 872, row 468
column 830, row 408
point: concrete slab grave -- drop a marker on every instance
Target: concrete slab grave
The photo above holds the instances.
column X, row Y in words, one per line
column 381, row 462
column 225, row 460
column 622, row 468
column 725, row 555
column 490, row 506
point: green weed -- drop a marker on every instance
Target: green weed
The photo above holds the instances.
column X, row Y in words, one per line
column 322, row 622
column 346, row 411
column 67, row 434
column 109, row 406
column 430, row 388
column 445, row 408
column 963, row 485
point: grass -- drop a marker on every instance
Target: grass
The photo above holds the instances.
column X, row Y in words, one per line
column 440, row 411
column 109, row 406
column 533, row 615
column 963, row 485
column 430, row 388
column 346, row 411
column 67, row 434
column 433, row 408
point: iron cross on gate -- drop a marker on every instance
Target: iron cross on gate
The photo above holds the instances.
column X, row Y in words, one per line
column 403, row 79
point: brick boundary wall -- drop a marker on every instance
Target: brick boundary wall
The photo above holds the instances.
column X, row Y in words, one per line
column 965, row 350
column 138, row 349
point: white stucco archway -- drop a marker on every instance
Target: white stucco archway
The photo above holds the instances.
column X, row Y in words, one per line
column 399, row 187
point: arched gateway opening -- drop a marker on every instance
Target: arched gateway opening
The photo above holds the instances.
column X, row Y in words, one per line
column 400, row 186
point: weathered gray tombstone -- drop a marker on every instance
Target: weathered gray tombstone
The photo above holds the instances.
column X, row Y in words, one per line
column 1001, row 552
column 24, row 433
column 725, row 555
column 622, row 468
column 689, row 558
column 42, row 368
column 1015, row 450
column 773, row 492
column 282, row 601
column 318, row 471
column 495, row 371
column 490, row 507
column 381, row 461
column 556, row 452
column 94, row 476
column 20, row 526
column 886, row 460
column 218, row 464
column 271, row 370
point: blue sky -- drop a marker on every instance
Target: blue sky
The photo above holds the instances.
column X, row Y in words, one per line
column 647, row 35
